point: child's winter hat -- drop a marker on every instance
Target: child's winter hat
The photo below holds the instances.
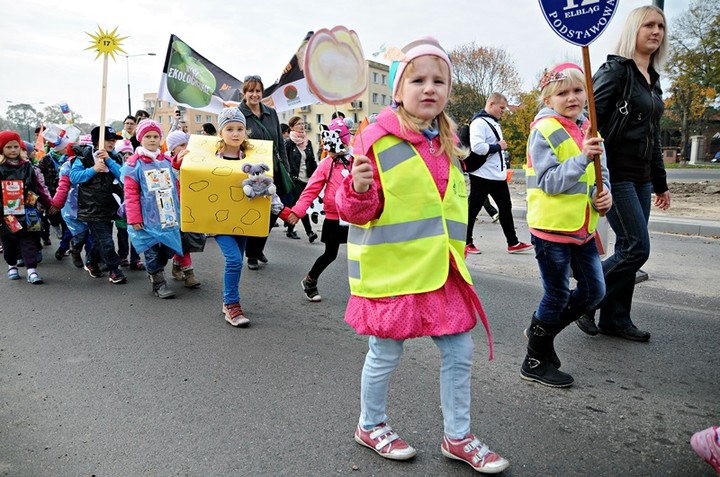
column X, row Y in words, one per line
column 230, row 115
column 145, row 127
column 61, row 146
column 340, row 125
column 175, row 139
column 124, row 146
column 423, row 46
column 29, row 147
column 6, row 137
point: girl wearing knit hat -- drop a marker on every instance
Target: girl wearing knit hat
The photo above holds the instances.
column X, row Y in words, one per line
column 22, row 187
column 406, row 203
column 232, row 146
column 182, row 267
column 152, row 205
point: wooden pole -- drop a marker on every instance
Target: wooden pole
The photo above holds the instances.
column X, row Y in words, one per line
column 591, row 111
column 103, row 100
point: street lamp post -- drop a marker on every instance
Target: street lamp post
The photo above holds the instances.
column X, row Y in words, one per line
column 127, row 67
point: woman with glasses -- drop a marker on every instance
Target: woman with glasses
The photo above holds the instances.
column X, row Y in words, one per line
column 262, row 123
column 302, row 165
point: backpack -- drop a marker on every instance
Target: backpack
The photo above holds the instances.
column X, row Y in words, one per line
column 474, row 161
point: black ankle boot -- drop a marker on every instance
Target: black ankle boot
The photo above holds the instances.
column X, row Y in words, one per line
column 537, row 365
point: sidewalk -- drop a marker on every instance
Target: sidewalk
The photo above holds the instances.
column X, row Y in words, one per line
column 671, row 225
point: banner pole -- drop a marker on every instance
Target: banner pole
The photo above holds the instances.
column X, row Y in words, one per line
column 103, row 101
column 591, row 111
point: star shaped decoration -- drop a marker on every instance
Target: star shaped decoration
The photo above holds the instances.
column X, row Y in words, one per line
column 105, row 42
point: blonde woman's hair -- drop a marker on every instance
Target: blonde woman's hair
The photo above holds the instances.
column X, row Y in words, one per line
column 627, row 43
column 572, row 77
column 446, row 126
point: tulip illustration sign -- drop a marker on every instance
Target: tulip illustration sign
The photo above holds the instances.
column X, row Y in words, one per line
column 580, row 22
column 335, row 65
column 190, row 80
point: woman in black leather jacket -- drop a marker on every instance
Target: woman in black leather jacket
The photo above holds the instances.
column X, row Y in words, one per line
column 634, row 160
column 302, row 165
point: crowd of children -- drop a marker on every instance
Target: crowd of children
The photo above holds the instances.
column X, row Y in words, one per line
column 134, row 184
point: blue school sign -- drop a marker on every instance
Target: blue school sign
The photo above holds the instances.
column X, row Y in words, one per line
column 578, row 21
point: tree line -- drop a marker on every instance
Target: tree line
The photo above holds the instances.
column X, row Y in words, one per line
column 692, row 100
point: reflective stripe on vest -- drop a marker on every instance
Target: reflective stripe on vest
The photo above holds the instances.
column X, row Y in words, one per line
column 406, row 250
column 564, row 212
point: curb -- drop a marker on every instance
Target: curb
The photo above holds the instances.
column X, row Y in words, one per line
column 670, row 225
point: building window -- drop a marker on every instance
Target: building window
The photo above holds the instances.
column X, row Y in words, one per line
column 198, row 118
column 159, row 119
column 375, row 98
column 170, row 119
column 383, row 99
column 384, row 79
column 159, row 104
column 319, row 118
column 375, row 77
column 208, row 119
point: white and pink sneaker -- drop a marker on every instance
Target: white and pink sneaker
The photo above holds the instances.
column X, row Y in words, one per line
column 383, row 440
column 705, row 443
column 475, row 453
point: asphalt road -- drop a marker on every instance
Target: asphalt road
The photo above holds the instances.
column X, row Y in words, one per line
column 105, row 380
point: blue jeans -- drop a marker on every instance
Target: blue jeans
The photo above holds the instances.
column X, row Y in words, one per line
column 233, row 248
column 555, row 260
column 628, row 218
column 455, row 372
column 103, row 249
column 124, row 245
column 156, row 257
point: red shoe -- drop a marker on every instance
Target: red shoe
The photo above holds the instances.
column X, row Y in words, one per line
column 520, row 247
column 471, row 248
column 383, row 440
column 475, row 453
column 234, row 315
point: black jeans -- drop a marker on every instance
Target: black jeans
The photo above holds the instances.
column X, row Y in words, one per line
column 256, row 245
column 103, row 249
column 500, row 192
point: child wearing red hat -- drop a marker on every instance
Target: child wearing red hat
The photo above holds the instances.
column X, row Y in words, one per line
column 21, row 190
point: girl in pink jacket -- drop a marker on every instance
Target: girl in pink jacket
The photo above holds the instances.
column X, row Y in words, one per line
column 407, row 202
column 328, row 176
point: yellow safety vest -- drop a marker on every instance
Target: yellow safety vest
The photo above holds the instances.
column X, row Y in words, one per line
column 406, row 250
column 564, row 212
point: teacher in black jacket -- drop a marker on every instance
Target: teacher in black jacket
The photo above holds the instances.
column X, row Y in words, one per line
column 634, row 160
column 262, row 123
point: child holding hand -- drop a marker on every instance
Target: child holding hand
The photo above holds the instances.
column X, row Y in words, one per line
column 182, row 267
column 406, row 203
column 22, row 189
column 328, row 176
column 562, row 213
column 151, row 205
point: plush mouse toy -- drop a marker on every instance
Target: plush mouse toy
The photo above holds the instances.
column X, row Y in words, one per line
column 257, row 183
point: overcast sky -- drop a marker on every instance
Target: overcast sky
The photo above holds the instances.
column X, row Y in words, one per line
column 43, row 45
